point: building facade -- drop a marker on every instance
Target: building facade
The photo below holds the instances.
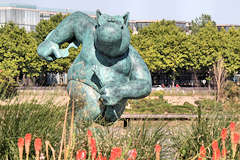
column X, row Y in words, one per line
column 27, row 16
column 139, row 24
column 227, row 26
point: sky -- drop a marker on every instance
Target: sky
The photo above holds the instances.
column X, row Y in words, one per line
column 221, row 11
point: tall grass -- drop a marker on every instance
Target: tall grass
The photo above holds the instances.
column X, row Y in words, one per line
column 44, row 121
column 140, row 136
column 106, row 140
column 203, row 131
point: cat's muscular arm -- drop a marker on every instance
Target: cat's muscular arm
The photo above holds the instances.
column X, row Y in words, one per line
column 139, row 86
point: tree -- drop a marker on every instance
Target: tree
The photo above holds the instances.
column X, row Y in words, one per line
column 163, row 47
column 203, row 47
column 209, row 45
column 18, row 52
column 232, row 55
column 200, row 22
column 46, row 26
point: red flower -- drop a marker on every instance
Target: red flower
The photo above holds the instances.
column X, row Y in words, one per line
column 235, row 138
column 202, row 152
column 157, row 148
column 28, row 138
column 215, row 145
column 132, row 154
column 224, row 134
column 224, row 152
column 99, row 156
column 20, row 142
column 218, row 153
column 115, row 153
column 93, row 142
column 104, row 158
column 81, row 155
column 214, row 155
column 20, row 147
column 89, row 133
column 232, row 126
column 38, row 144
column 93, row 148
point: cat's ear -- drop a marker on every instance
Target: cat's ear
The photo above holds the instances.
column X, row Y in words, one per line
column 98, row 14
column 126, row 18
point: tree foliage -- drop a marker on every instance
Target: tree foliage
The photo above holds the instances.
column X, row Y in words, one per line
column 163, row 46
column 18, row 52
column 200, row 22
column 209, row 45
column 17, row 58
column 204, row 48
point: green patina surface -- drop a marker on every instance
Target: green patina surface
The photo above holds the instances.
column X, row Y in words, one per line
column 107, row 72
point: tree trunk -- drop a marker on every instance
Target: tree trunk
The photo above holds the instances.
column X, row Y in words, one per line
column 197, row 83
column 173, row 83
column 209, row 85
column 220, row 76
column 24, row 80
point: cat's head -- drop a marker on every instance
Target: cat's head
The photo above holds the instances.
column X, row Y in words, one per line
column 112, row 34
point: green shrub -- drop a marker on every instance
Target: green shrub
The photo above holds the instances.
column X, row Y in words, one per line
column 8, row 87
column 159, row 94
column 44, row 121
column 186, row 108
column 232, row 106
column 231, row 90
column 209, row 105
column 158, row 106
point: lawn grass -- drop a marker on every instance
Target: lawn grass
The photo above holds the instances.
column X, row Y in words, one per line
column 158, row 106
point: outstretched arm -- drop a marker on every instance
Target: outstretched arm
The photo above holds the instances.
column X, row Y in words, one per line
column 71, row 29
